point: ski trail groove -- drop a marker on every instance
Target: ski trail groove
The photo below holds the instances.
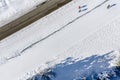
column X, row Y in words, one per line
column 19, row 54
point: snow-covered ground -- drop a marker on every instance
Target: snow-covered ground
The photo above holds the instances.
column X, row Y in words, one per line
column 46, row 26
column 62, row 34
column 12, row 9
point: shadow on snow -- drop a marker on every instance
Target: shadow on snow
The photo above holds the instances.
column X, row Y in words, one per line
column 91, row 68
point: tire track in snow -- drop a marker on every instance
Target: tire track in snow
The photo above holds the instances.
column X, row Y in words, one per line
column 63, row 27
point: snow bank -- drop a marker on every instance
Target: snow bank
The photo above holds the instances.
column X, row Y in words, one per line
column 12, row 9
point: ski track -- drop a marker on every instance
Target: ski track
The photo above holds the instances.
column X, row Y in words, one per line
column 59, row 29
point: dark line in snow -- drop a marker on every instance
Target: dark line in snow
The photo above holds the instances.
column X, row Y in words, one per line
column 63, row 26
column 59, row 29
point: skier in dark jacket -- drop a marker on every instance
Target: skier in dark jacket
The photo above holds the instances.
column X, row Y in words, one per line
column 109, row 6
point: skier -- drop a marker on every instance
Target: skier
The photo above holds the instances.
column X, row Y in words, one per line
column 79, row 7
column 82, row 8
column 109, row 6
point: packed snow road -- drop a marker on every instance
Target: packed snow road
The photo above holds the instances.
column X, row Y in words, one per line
column 57, row 44
column 40, row 11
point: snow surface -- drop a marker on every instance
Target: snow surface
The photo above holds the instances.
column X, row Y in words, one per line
column 60, row 35
column 12, row 9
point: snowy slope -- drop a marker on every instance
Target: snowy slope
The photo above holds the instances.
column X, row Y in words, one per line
column 12, row 9
column 38, row 31
column 75, row 34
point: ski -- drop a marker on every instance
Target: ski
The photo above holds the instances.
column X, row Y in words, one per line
column 83, row 10
column 83, row 6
